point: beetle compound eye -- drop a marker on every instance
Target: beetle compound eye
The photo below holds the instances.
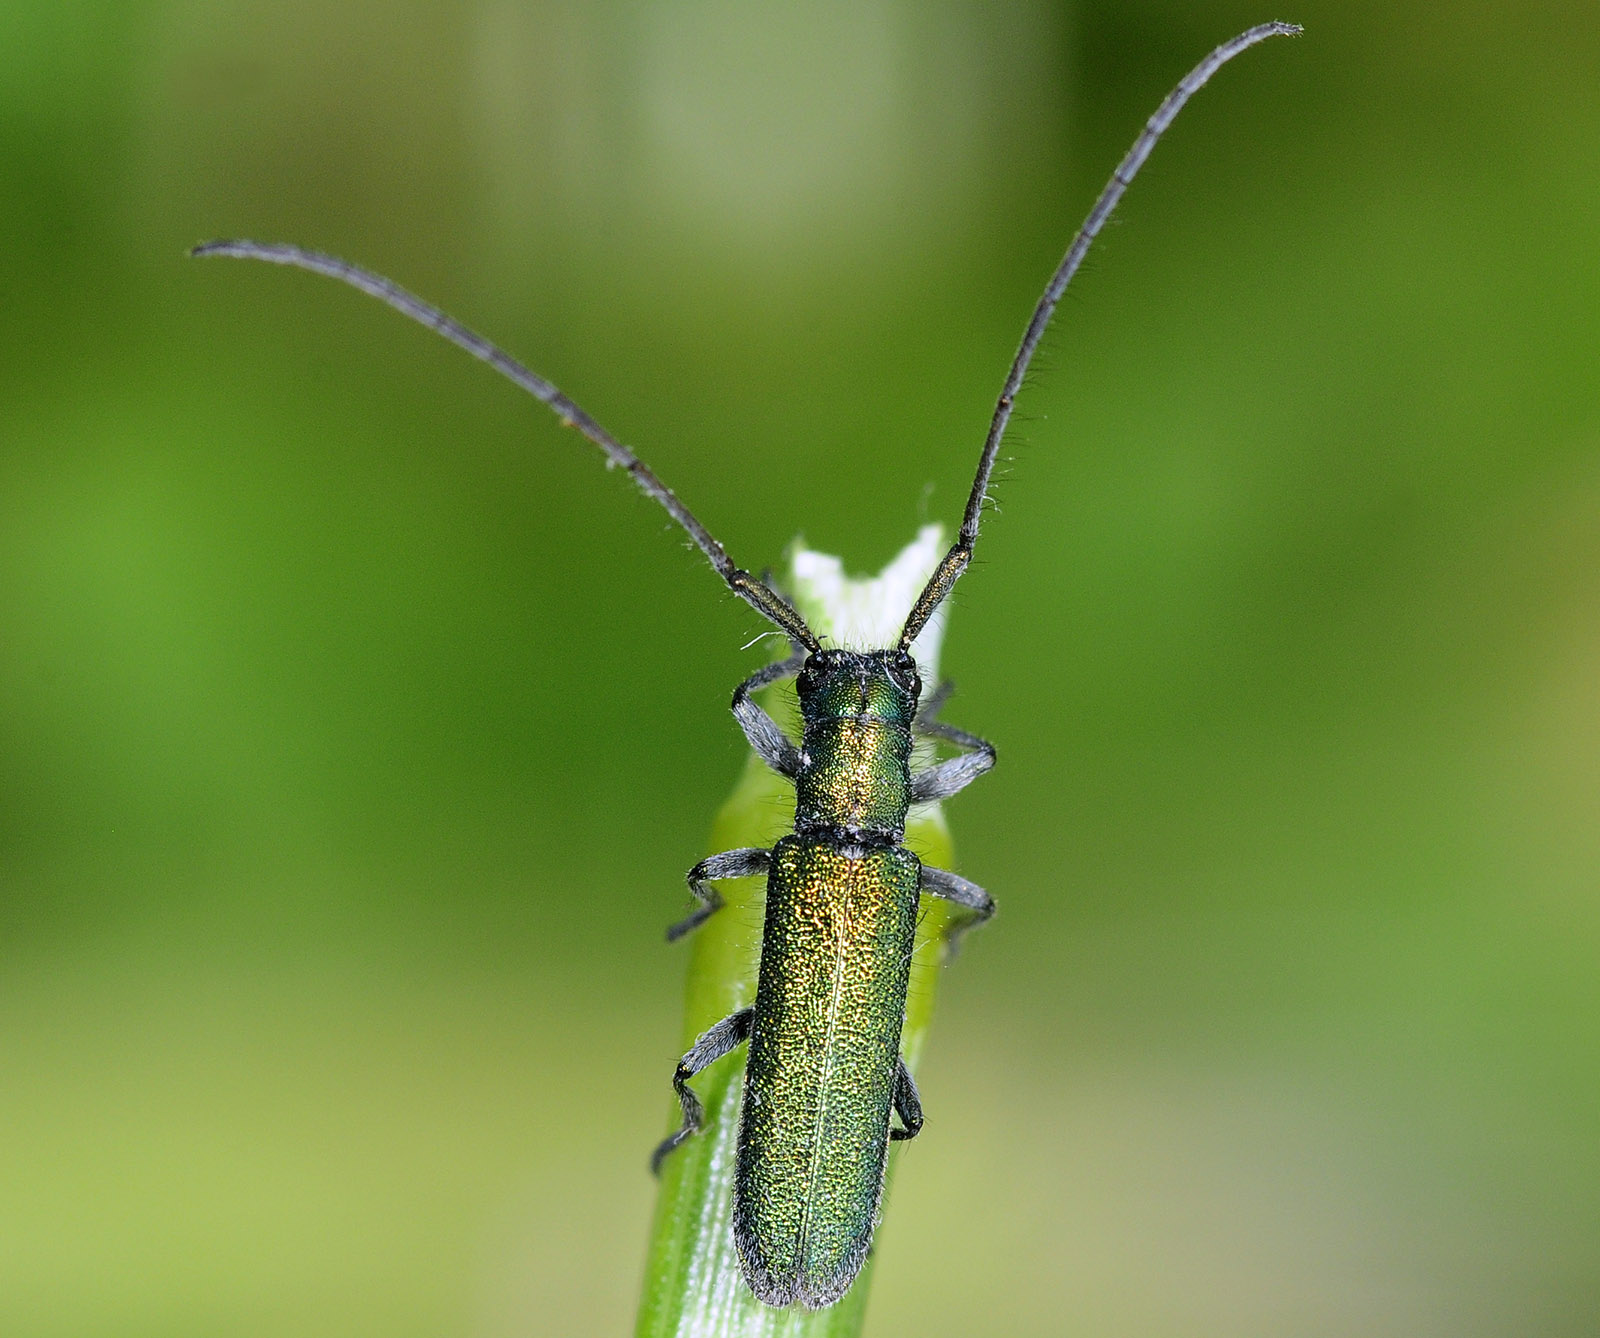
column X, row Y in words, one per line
column 902, row 670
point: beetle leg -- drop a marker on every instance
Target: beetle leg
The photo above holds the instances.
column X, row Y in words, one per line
column 907, row 1105
column 772, row 745
column 953, row 775
column 723, row 1038
column 743, row 863
column 934, row 702
column 953, row 887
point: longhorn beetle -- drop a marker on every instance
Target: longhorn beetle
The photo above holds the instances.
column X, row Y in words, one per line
column 824, row 1070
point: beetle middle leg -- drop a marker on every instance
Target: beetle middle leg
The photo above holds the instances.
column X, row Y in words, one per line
column 907, row 1105
column 743, row 863
column 953, row 887
column 732, row 1032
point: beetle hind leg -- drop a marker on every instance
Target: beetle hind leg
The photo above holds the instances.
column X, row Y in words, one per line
column 907, row 1105
column 732, row 1032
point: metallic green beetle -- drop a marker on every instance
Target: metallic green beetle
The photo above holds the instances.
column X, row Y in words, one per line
column 841, row 916
column 825, row 1070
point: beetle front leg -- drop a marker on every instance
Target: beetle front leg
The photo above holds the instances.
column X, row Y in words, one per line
column 944, row 779
column 953, row 887
column 771, row 744
column 722, row 1039
column 744, row 863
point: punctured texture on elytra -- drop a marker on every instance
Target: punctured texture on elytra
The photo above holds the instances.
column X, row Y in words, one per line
column 824, row 1055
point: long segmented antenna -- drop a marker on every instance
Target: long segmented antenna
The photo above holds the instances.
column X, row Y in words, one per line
column 949, row 570
column 755, row 592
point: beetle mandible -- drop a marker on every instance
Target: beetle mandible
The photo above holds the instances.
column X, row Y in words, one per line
column 825, row 1070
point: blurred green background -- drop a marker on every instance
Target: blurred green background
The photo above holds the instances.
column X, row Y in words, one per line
column 356, row 727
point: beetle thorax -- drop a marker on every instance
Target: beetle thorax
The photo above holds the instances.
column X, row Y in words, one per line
column 857, row 708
